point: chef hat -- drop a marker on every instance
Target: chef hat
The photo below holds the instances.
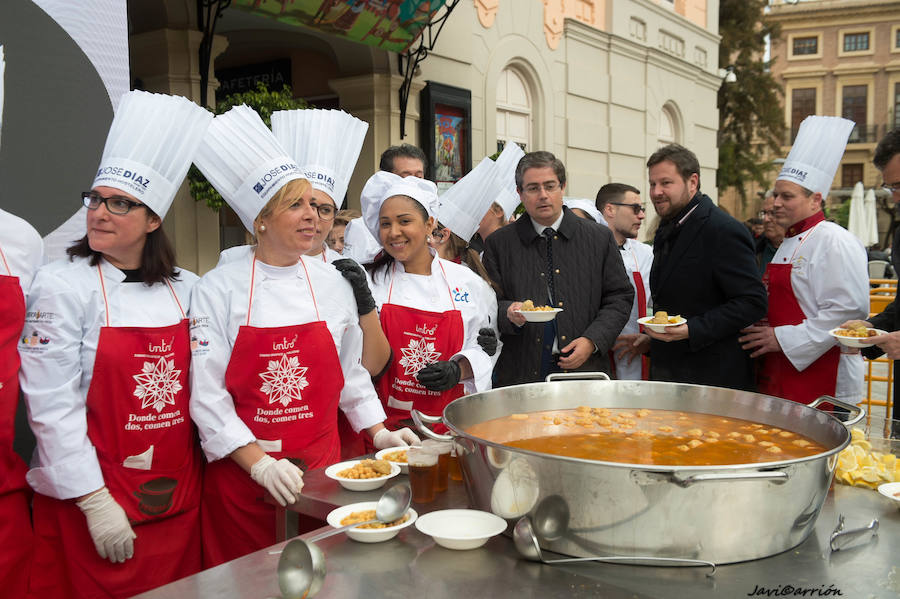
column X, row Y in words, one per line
column 325, row 143
column 464, row 205
column 383, row 185
column 150, row 145
column 2, row 70
column 586, row 205
column 817, row 152
column 359, row 244
column 507, row 161
column 244, row 162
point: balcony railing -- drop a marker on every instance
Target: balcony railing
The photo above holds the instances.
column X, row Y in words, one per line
column 861, row 134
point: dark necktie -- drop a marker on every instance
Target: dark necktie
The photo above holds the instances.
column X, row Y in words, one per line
column 548, row 364
column 549, row 233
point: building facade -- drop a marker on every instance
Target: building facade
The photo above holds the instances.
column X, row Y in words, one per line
column 600, row 83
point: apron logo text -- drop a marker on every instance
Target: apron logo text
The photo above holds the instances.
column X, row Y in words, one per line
column 284, row 344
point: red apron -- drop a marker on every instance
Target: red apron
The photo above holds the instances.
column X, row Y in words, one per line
column 15, row 495
column 286, row 384
column 417, row 338
column 777, row 375
column 138, row 420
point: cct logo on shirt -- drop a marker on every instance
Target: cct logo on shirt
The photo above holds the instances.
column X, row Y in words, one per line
column 460, row 295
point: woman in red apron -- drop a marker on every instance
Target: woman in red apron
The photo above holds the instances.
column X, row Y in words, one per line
column 431, row 309
column 15, row 495
column 278, row 346
column 138, row 526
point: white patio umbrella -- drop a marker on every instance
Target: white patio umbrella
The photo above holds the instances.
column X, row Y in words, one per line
column 858, row 225
column 871, row 215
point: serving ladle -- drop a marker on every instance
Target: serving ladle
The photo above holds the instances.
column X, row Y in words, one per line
column 526, row 542
column 301, row 567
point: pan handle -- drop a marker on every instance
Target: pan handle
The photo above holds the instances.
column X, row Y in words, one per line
column 420, row 419
column 860, row 412
column 582, row 376
column 643, row 477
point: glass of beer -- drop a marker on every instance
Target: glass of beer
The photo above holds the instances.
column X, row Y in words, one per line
column 423, row 470
column 442, row 449
column 453, row 468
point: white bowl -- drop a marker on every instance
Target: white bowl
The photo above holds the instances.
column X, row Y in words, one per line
column 891, row 491
column 647, row 321
column 539, row 315
column 367, row 535
column 854, row 341
column 404, row 467
column 460, row 529
column 363, row 484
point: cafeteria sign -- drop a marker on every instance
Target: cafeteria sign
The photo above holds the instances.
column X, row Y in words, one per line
column 391, row 25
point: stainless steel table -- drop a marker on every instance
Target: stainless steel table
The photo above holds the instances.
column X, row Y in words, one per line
column 412, row 565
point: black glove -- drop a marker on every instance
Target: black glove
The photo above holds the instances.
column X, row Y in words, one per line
column 487, row 339
column 439, row 376
column 355, row 275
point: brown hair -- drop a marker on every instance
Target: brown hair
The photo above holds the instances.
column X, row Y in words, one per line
column 345, row 216
column 684, row 160
column 157, row 257
column 460, row 249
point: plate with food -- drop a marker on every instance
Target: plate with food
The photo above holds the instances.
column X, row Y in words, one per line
column 363, row 512
column 534, row 313
column 854, row 337
column 660, row 320
column 395, row 455
column 362, row 475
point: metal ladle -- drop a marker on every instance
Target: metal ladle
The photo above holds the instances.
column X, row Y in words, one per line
column 301, row 567
column 527, row 545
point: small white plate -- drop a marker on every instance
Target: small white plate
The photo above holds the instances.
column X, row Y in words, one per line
column 854, row 341
column 359, row 484
column 367, row 535
column 540, row 315
column 647, row 321
column 460, row 529
column 404, row 467
column 891, row 491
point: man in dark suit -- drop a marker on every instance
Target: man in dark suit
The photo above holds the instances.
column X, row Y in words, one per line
column 552, row 257
column 887, row 160
column 704, row 268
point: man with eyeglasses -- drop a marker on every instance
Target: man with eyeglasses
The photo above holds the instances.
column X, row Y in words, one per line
column 704, row 270
column 773, row 234
column 554, row 258
column 887, row 160
column 620, row 205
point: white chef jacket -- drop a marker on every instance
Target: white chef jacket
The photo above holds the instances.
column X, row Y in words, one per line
column 281, row 297
column 472, row 296
column 829, row 276
column 22, row 248
column 637, row 257
column 66, row 307
column 241, row 252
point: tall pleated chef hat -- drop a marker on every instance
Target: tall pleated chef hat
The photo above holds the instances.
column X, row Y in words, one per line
column 244, row 162
column 2, row 71
column 507, row 161
column 586, row 205
column 816, row 153
column 150, row 146
column 383, row 185
column 325, row 143
column 462, row 207
column 359, row 245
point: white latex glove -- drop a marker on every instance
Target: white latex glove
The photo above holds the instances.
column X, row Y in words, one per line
column 109, row 527
column 385, row 438
column 281, row 478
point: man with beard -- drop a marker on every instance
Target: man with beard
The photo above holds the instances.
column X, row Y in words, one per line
column 704, row 269
column 621, row 207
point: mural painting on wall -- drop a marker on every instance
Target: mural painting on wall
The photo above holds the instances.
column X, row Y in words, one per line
column 391, row 25
column 449, row 141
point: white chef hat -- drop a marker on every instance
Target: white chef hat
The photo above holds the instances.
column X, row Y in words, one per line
column 244, row 162
column 2, row 71
column 325, row 143
column 588, row 206
column 507, row 161
column 462, row 207
column 359, row 244
column 150, row 145
column 383, row 185
column 817, row 152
